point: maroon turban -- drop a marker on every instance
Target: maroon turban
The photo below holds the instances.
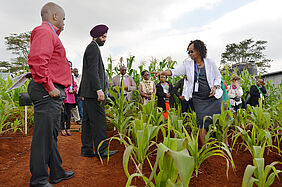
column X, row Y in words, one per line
column 98, row 31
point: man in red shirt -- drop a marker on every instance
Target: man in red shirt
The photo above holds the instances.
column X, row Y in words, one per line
column 51, row 74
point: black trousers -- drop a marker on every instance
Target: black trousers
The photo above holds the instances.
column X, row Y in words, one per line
column 67, row 115
column 93, row 126
column 187, row 106
column 47, row 117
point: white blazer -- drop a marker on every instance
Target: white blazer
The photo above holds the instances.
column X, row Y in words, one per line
column 188, row 69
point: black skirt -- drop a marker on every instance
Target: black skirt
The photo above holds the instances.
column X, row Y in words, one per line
column 206, row 107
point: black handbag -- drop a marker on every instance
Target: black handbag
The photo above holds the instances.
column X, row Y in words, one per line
column 248, row 98
column 237, row 99
column 24, row 99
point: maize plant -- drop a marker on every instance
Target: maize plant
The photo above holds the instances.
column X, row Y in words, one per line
column 118, row 113
column 149, row 110
column 259, row 174
column 259, row 116
column 254, row 137
column 221, row 124
column 175, row 164
column 142, row 133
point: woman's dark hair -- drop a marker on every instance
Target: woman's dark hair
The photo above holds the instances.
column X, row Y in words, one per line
column 143, row 72
column 199, row 46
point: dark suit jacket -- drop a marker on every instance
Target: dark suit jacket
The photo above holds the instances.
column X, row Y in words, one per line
column 161, row 96
column 93, row 72
column 254, row 92
column 178, row 85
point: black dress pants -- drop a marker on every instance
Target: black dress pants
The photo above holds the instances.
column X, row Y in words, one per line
column 67, row 115
column 93, row 126
column 47, row 117
column 187, row 106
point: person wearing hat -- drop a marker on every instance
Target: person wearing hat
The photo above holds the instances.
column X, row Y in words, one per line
column 92, row 90
column 235, row 92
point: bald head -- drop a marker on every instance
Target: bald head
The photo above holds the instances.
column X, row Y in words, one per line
column 122, row 70
column 54, row 14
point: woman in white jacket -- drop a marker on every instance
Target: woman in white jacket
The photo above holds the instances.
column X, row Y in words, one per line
column 203, row 84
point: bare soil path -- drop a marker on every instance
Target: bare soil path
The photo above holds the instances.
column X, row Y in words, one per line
column 14, row 165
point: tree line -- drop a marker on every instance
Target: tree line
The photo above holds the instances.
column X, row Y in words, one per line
column 235, row 53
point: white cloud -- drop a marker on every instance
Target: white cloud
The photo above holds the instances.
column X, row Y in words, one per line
column 258, row 20
column 144, row 28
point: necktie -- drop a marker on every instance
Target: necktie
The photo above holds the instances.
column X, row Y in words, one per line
column 121, row 81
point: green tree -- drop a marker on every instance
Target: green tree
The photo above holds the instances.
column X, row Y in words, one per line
column 246, row 51
column 4, row 66
column 19, row 45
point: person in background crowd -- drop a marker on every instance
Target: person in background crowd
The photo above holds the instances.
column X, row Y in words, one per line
column 51, row 74
column 225, row 97
column 235, row 92
column 129, row 84
column 92, row 90
column 186, row 106
column 257, row 91
column 165, row 93
column 203, row 78
column 69, row 103
column 147, row 88
column 78, row 110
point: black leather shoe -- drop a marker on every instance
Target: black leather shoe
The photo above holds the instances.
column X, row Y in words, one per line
column 106, row 153
column 86, row 154
column 41, row 185
column 68, row 175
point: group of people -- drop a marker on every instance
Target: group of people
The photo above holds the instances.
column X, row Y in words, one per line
column 53, row 84
column 235, row 93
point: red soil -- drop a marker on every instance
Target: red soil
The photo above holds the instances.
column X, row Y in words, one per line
column 14, row 165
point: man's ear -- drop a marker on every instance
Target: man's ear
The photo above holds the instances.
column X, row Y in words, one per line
column 55, row 17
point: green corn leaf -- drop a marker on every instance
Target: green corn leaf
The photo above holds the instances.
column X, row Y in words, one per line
column 270, row 179
column 251, row 182
column 171, row 184
column 125, row 159
column 161, row 150
column 129, row 180
column 258, row 151
column 248, row 175
column 185, row 165
column 259, row 174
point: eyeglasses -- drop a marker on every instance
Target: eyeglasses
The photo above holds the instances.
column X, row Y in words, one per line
column 190, row 52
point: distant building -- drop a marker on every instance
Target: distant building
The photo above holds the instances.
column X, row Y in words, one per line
column 250, row 66
column 274, row 77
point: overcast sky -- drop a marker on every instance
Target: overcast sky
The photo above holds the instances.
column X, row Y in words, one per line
column 153, row 28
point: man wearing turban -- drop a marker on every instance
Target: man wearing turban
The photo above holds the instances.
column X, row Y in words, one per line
column 92, row 89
